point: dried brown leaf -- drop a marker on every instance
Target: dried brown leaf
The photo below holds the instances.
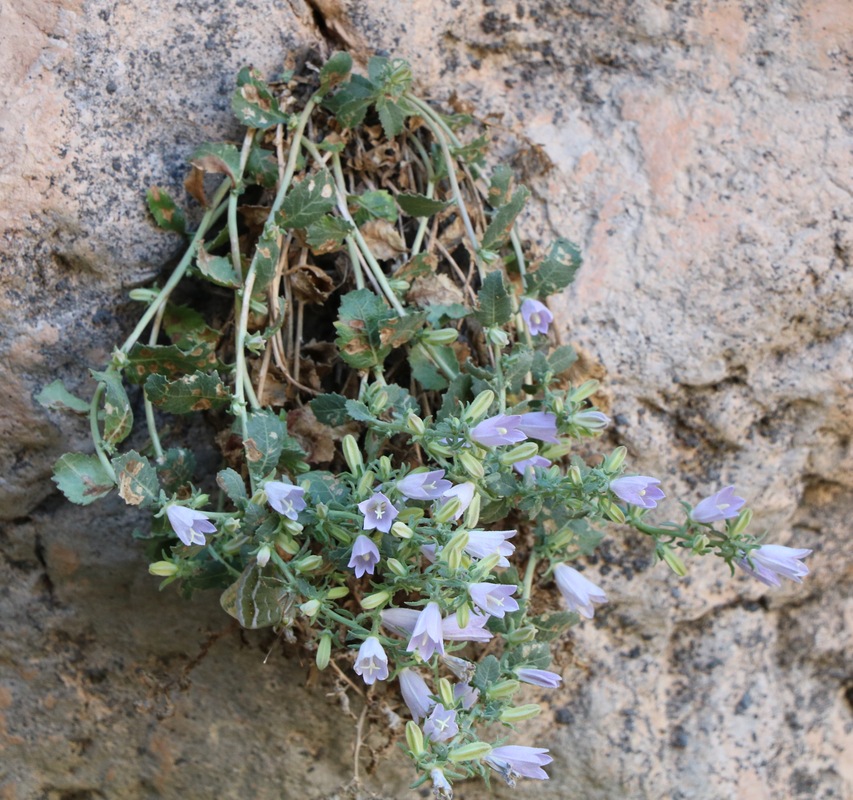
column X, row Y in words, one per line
column 383, row 239
column 435, row 289
column 194, row 184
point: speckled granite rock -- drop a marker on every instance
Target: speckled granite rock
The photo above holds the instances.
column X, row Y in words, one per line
column 700, row 153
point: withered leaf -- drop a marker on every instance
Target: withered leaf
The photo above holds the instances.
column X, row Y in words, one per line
column 383, row 239
column 310, row 283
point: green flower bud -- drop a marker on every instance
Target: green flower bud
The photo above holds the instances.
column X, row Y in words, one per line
column 324, row 652
column 263, row 556
column 463, row 616
column 352, row 454
column 371, row 601
column 401, row 530
column 520, row 452
column 480, row 406
column 557, row 405
column 700, row 545
column 521, row 713
column 561, row 538
column 472, row 513
column 200, row 501
column 472, row 466
column 286, row 543
column 469, row 752
column 399, row 286
column 415, row 738
column 310, row 608
column 441, row 336
column 612, row 510
column 672, row 560
column 415, row 424
column 502, row 689
column 119, row 359
column 308, row 563
column 740, row 522
column 163, row 569
column 575, row 475
column 438, row 450
column 397, row 568
column 459, row 541
column 338, row 532
column 585, row 390
column 379, row 402
column 497, row 337
column 452, row 557
column 614, row 461
column 445, row 691
column 486, row 565
column 143, row 295
column 525, row 634
column 448, row 511
column 230, row 526
column 337, row 592
column 365, row 485
column 292, row 526
column 385, row 468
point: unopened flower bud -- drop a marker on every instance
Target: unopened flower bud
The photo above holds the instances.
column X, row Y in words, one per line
column 575, row 475
column 200, row 501
column 308, row 563
column 119, row 359
column 672, row 560
column 480, row 406
column 379, row 402
column 414, row 738
column 612, row 510
column 503, row 689
column 143, row 295
column 525, row 634
column 472, row 466
column 310, row 607
column 263, row 556
column 324, row 652
column 486, row 565
column 321, row 510
column 452, row 557
column 472, row 513
column 463, row 616
column 741, row 522
column 401, row 530
column 520, row 452
column 352, row 454
column 399, row 286
column 439, row 450
column 700, row 545
column 614, row 461
column 445, row 690
column 448, row 511
column 397, row 568
column 459, row 541
column 441, row 336
column 292, row 526
column 286, row 544
column 415, row 424
column 469, row 752
column 585, row 390
column 557, row 405
column 230, row 526
column 366, row 483
column 385, row 468
column 371, row 601
column 338, row 532
column 561, row 538
column 521, row 713
column 337, row 592
column 255, row 343
column 497, row 337
column 163, row 569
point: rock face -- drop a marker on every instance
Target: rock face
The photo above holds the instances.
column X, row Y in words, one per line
column 700, row 153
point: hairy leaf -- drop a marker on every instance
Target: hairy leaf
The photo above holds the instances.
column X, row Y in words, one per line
column 118, row 416
column 175, row 469
column 264, row 443
column 218, row 269
column 503, row 220
column 330, row 409
column 557, row 271
column 495, row 306
column 419, row 205
column 233, row 485
column 488, row 672
column 167, row 360
column 266, row 258
column 81, row 478
column 373, row 204
column 56, row 397
column 218, row 157
column 137, row 480
column 350, row 102
column 327, row 234
column 335, row 71
column 254, row 103
column 197, row 392
column 164, row 210
column 308, row 201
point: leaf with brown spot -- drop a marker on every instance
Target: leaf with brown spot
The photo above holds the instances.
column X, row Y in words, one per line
column 218, row 157
column 310, row 283
column 197, row 392
column 194, row 184
column 383, row 239
column 137, row 480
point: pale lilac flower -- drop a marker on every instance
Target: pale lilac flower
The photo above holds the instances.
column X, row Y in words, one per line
column 365, row 556
column 429, row 552
column 424, row 485
column 474, row 631
column 591, row 420
column 638, row 490
column 416, row 694
column 513, row 761
column 441, row 788
column 541, row 425
column 494, row 598
column 464, row 492
column 426, row 637
column 484, row 543
column 529, row 463
column 536, row 316
column 539, row 677
column 379, row 513
column 189, row 524
column 722, row 505
column 400, row 620
column 579, row 592
column 460, row 667
column 441, row 724
column 502, row 429
column 772, row 560
column 285, row 498
column 371, row 663
column 465, row 694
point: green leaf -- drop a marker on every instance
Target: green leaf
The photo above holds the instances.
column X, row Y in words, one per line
column 499, row 187
column 373, row 204
column 169, row 361
column 118, row 416
column 330, row 409
column 197, row 392
column 533, row 655
column 488, row 672
column 359, row 411
column 457, row 394
column 472, row 153
column 56, row 397
column 396, row 331
column 292, row 458
column 258, row 599
column 335, row 71
column 266, row 258
column 138, row 484
column 516, row 365
column 264, row 443
column 503, row 220
column 437, row 313
column 254, row 103
column 187, row 328
column 562, row 359
column 233, row 485
column 391, row 116
column 218, row 157
column 175, row 469
column 218, row 269
column 327, row 234
column 360, row 318
column 164, row 210
column 419, row 205
column 81, row 478
column 550, row 626
column 425, row 372
column 262, row 167
column 557, row 271
column 350, row 102
column 495, row 306
column 325, row 487
column 307, row 201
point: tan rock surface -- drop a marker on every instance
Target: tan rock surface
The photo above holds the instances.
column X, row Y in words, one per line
column 701, row 157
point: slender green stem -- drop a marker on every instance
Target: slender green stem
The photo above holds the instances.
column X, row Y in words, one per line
column 97, row 439
column 450, row 372
column 149, row 406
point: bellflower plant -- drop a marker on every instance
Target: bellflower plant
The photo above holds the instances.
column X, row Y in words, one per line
column 397, row 494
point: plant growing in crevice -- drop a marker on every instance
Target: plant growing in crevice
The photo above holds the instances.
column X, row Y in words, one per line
column 358, row 317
